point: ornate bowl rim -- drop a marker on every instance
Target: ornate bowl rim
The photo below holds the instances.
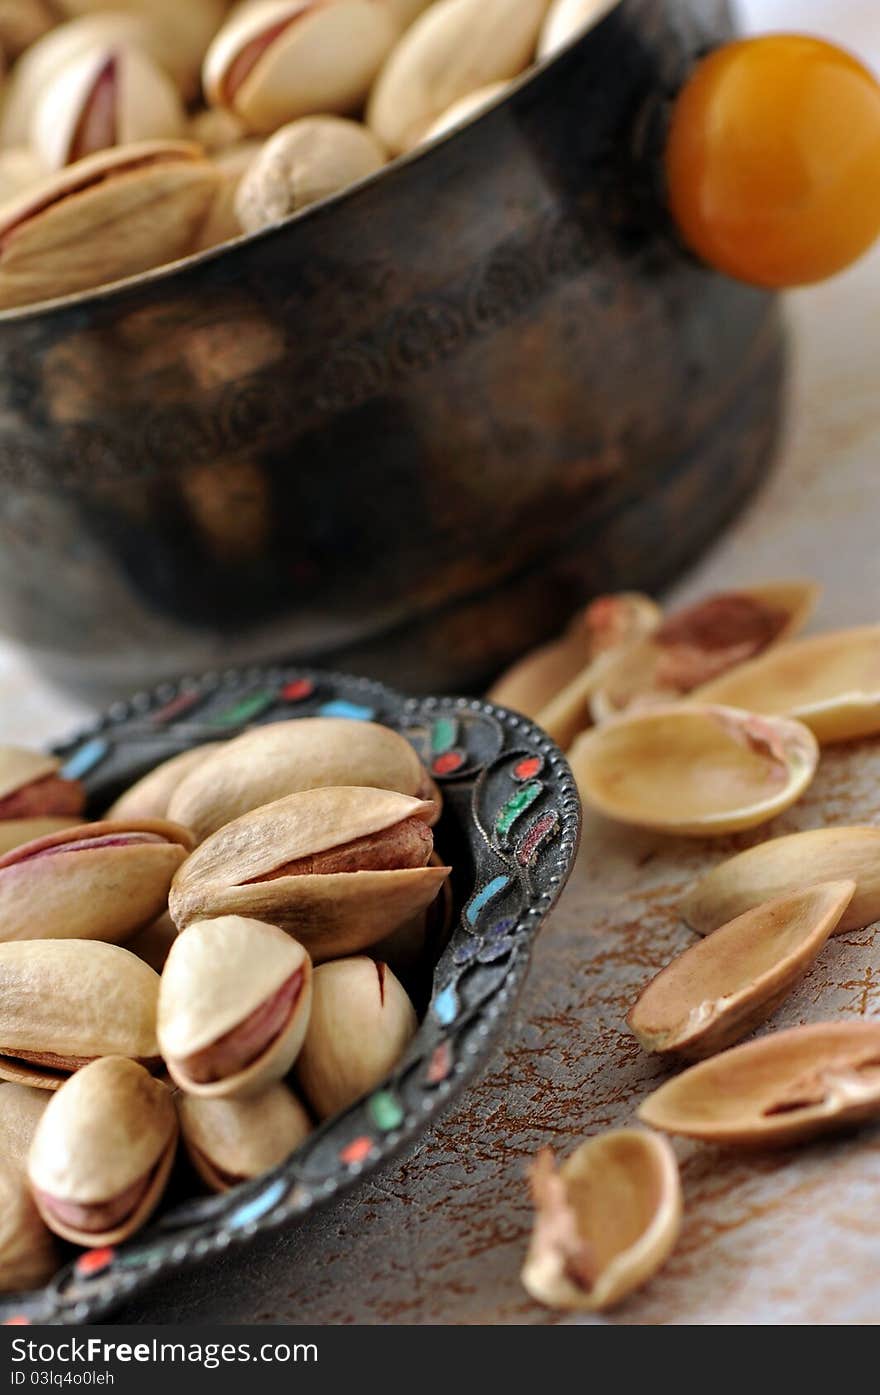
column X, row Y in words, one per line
column 97, row 294
column 522, row 824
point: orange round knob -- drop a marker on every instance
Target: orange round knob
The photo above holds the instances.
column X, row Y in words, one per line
column 773, row 160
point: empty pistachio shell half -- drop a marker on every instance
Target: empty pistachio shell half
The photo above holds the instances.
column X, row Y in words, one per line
column 234, row 1005
column 699, row 643
column 102, row 1152
column 303, row 163
column 362, row 1022
column 831, row 682
column 28, row 1256
column 65, row 1002
column 464, row 109
column 338, row 867
column 605, row 1221
column 109, row 95
column 787, row 864
column 276, row 60
column 32, row 788
column 729, row 983
column 285, row 757
column 784, row 1088
column 21, row 1109
column 567, row 19
column 232, row 1141
column 694, row 769
column 94, row 881
column 150, row 796
column 554, row 683
column 109, row 216
column 455, row 47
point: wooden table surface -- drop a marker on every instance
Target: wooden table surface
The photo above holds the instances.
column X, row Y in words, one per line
column 440, row 1236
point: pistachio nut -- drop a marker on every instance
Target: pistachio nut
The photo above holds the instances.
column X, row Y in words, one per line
column 234, row 1005
column 102, row 1152
column 65, row 1002
column 107, row 96
column 22, row 23
column 153, row 943
column 787, row 864
column 831, row 682
column 276, row 60
column 781, row 1089
column 216, row 130
column 95, row 881
column 694, row 769
column 232, row 1140
column 20, row 169
column 286, row 757
column 566, row 20
column 28, row 1257
column 21, row 1109
column 32, row 788
column 729, row 983
column 361, row 1024
column 464, row 109
column 109, row 216
column 605, row 1220
column 454, row 48
column 303, row 163
column 222, row 225
column 693, row 645
column 150, row 796
column 175, row 32
column 339, row 868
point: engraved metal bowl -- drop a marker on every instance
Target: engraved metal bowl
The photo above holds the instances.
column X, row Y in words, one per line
column 510, row 830
column 409, row 430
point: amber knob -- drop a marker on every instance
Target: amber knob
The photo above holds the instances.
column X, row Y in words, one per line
column 773, row 160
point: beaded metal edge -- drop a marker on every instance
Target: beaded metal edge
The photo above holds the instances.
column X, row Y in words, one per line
column 510, row 799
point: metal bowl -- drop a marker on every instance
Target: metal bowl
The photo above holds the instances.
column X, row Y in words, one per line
column 510, row 829
column 408, row 430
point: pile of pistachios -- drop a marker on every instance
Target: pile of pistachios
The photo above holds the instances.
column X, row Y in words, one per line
column 210, row 962
column 137, row 132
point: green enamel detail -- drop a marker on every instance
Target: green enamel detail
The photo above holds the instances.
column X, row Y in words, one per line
column 444, row 735
column 516, row 807
column 385, row 1111
column 245, row 710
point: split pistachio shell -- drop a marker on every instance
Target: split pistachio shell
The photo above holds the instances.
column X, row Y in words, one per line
column 107, row 96
column 340, row 868
column 416, row 944
column 702, row 641
column 605, row 1221
column 286, row 757
column 65, row 1002
column 729, row 983
column 31, row 787
column 784, row 865
column 454, row 48
column 567, row 19
column 232, row 1141
column 14, row 833
column 95, row 881
column 831, row 682
column 784, row 1088
column 150, row 796
column 111, row 215
column 21, row 1109
column 234, row 1005
column 175, row 32
column 303, row 163
column 102, row 1152
column 697, row 770
column 362, row 1022
column 277, row 60
column 553, row 684
column 153, row 944
column 28, row 1256
column 464, row 109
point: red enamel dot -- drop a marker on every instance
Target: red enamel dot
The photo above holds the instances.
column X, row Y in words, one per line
column 528, row 768
column 448, row 763
column 93, row 1261
column 298, row 690
column 357, row 1151
column 19, row 1321
column 440, row 1064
